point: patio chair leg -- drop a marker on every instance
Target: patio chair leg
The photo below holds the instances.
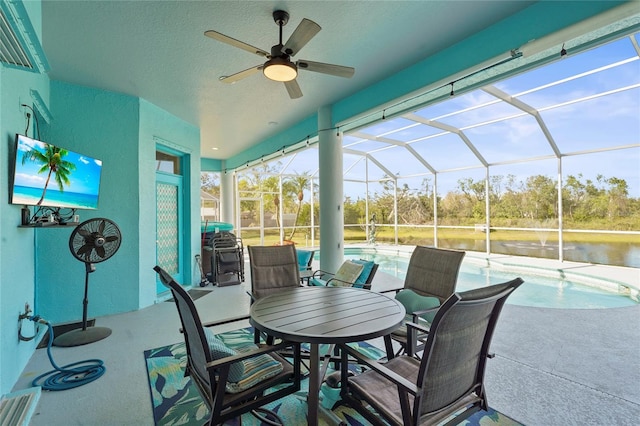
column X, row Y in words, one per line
column 388, row 345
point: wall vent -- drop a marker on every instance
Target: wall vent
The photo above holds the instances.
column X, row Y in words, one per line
column 11, row 51
column 16, row 408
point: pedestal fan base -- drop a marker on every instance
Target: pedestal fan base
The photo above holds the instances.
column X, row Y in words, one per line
column 82, row 337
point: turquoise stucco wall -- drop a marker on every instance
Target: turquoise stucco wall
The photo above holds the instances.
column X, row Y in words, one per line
column 122, row 131
column 17, row 250
column 35, row 264
column 292, row 135
column 102, row 125
column 159, row 127
column 210, row 165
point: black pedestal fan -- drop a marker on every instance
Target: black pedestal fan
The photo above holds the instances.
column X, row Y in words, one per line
column 93, row 241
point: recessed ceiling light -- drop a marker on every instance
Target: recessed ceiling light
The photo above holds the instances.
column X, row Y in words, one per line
column 215, row 148
column 273, row 123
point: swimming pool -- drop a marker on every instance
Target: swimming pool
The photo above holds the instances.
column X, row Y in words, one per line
column 537, row 291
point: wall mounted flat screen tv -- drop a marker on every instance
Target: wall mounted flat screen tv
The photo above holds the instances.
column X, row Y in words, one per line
column 49, row 176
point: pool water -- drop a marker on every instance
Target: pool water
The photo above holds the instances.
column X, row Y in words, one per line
column 537, row 290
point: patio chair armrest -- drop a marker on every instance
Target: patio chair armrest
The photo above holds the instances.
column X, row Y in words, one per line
column 347, row 283
column 246, row 355
column 417, row 314
column 334, row 279
column 253, row 299
column 320, row 273
column 224, row 321
column 418, row 327
column 382, row 370
column 424, row 311
column 394, row 290
column 221, row 322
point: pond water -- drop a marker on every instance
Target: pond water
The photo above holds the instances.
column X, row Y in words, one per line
column 537, row 290
column 616, row 254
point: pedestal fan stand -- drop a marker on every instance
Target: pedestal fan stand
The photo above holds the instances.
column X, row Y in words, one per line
column 84, row 335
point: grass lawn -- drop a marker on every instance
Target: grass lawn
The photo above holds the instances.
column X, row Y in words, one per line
column 413, row 235
column 408, row 234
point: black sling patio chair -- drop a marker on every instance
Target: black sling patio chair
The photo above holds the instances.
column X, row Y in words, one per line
column 431, row 278
column 448, row 380
column 232, row 382
column 273, row 269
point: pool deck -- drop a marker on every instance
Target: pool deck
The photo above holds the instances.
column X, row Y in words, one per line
column 552, row 366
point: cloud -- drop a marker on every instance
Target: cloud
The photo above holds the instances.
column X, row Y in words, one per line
column 27, row 179
column 26, row 144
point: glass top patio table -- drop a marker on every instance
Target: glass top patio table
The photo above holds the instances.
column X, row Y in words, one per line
column 325, row 315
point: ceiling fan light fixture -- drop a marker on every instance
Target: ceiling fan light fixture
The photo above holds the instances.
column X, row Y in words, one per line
column 280, row 69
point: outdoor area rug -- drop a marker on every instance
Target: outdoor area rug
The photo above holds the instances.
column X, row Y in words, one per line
column 176, row 400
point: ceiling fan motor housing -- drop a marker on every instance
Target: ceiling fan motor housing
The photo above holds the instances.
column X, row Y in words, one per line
column 280, row 17
column 276, row 52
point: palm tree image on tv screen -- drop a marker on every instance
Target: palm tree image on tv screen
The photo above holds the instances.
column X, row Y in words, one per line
column 39, row 164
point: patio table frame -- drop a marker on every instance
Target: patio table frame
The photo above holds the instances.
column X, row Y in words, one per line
column 325, row 315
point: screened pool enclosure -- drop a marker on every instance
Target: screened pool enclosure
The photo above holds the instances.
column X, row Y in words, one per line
column 543, row 162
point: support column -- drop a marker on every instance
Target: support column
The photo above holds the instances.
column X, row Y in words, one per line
column 331, row 194
column 226, row 196
column 560, row 214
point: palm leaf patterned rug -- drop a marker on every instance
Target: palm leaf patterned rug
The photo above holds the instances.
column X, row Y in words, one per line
column 176, row 400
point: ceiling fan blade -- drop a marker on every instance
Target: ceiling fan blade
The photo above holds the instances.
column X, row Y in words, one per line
column 337, row 70
column 240, row 75
column 236, row 43
column 305, row 31
column 293, row 89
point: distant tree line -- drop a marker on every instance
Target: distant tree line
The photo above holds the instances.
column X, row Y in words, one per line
column 603, row 203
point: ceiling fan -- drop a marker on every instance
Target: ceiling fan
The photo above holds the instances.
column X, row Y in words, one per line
column 279, row 66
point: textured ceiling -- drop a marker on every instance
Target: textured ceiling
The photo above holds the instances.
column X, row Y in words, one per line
column 156, row 50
